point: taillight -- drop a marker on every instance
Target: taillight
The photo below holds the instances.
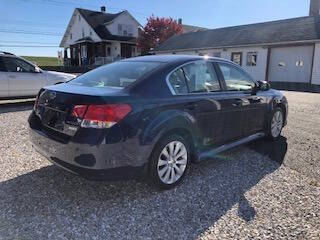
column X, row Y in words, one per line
column 78, row 111
column 100, row 116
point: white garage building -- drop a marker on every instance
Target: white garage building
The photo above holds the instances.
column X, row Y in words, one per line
column 286, row 52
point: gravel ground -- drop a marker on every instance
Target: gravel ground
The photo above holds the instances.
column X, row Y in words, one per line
column 261, row 190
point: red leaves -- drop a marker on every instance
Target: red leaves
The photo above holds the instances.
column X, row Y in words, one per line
column 156, row 31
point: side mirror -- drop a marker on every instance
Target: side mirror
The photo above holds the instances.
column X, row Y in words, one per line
column 37, row 70
column 263, row 86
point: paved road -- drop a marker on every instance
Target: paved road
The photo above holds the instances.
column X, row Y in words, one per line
column 261, row 190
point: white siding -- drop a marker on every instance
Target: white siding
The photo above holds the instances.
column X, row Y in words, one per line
column 126, row 19
column 316, row 65
column 76, row 30
column 257, row 72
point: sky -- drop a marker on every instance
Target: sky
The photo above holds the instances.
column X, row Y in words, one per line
column 28, row 23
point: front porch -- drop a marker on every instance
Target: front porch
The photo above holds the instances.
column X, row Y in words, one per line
column 87, row 52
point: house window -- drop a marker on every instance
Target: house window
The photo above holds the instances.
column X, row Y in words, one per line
column 108, row 51
column 84, row 51
column 130, row 30
column 82, row 32
column 70, row 36
column 120, row 29
column 252, row 58
column 90, row 33
column 236, row 57
column 125, row 33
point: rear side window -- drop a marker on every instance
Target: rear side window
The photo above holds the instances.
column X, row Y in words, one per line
column 236, row 80
column 17, row 65
column 117, row 75
column 178, row 82
column 201, row 77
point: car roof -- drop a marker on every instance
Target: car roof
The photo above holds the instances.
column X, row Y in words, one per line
column 171, row 58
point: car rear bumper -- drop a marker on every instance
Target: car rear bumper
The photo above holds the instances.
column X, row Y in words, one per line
column 116, row 161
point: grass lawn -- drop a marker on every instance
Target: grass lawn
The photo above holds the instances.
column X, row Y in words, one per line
column 43, row 61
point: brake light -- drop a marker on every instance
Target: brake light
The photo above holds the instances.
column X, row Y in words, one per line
column 78, row 111
column 101, row 116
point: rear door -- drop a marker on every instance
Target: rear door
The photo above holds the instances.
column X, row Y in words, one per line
column 4, row 85
column 247, row 108
column 23, row 79
column 206, row 100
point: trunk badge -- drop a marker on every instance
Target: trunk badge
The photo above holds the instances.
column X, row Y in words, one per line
column 52, row 95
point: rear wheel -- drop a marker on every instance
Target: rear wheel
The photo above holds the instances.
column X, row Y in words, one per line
column 276, row 124
column 169, row 162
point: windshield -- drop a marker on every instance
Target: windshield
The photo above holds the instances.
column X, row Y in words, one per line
column 118, row 74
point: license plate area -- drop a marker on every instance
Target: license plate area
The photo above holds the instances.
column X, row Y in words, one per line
column 53, row 118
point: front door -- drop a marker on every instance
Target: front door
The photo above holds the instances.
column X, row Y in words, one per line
column 247, row 109
column 23, row 80
column 126, row 50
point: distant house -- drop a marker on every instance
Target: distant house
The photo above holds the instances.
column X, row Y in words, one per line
column 284, row 52
column 190, row 28
column 94, row 37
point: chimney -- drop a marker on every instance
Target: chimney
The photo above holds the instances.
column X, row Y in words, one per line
column 103, row 9
column 314, row 8
column 180, row 20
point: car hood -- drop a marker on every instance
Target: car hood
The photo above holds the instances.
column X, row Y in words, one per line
column 60, row 75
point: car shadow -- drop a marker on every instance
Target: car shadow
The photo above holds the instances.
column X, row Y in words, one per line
column 52, row 201
column 275, row 150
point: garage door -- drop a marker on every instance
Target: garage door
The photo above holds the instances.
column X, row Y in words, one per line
column 291, row 64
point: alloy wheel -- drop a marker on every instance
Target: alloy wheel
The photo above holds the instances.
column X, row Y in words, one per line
column 172, row 162
column 276, row 124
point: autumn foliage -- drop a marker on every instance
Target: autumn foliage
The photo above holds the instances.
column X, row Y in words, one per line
column 156, row 31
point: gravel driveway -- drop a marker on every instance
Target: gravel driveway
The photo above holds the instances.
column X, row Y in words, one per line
column 260, row 190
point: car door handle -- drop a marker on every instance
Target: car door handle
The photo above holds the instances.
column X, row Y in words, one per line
column 11, row 76
column 191, row 106
column 237, row 103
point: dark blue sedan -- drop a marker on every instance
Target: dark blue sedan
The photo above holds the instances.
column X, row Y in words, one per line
column 153, row 116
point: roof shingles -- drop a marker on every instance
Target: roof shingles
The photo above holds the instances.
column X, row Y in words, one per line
column 289, row 30
column 97, row 21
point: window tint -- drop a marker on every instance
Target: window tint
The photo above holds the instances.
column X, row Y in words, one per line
column 236, row 80
column 118, row 74
column 201, row 77
column 17, row 65
column 178, row 82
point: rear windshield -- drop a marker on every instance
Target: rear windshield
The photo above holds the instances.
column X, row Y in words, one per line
column 117, row 75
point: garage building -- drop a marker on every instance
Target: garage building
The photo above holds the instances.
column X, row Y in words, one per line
column 286, row 52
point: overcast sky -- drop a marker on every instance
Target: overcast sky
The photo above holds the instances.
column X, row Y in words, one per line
column 49, row 18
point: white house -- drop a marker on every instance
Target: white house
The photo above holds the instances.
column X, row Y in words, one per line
column 93, row 36
column 285, row 52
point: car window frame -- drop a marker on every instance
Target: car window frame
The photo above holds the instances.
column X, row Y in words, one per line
column 3, row 57
column 194, row 93
column 224, row 81
column 2, row 66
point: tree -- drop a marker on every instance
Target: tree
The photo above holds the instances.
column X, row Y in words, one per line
column 156, row 31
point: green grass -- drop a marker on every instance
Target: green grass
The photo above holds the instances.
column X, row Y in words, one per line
column 43, row 61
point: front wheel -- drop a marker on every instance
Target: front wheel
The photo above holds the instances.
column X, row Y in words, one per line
column 169, row 162
column 276, row 124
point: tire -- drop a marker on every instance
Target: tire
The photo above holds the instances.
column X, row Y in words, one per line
column 169, row 164
column 275, row 125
